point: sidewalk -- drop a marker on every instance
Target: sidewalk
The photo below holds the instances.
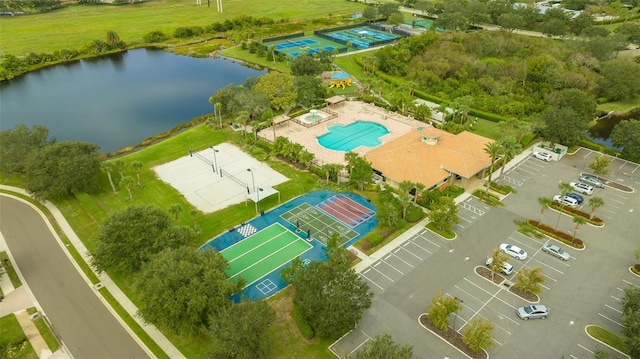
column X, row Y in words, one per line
column 15, row 302
column 106, row 282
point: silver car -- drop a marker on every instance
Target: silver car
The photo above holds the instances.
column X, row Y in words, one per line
column 593, row 181
column 537, row 311
column 581, row 188
column 556, row 251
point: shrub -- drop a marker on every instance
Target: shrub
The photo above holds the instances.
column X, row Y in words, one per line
column 375, row 239
column 502, row 188
column 187, row 32
column 488, row 198
column 155, row 36
column 576, row 213
column 414, row 214
column 303, row 326
column 559, row 235
column 636, row 269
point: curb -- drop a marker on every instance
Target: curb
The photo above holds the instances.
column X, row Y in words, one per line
column 601, row 342
column 446, row 341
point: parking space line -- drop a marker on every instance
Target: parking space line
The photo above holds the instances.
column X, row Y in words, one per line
column 464, row 219
column 371, row 281
column 612, row 308
column 615, row 200
column 592, row 353
column 629, row 283
column 428, row 240
column 387, row 263
column 609, row 319
column 404, row 249
column 548, row 266
column 467, row 293
column 361, row 344
column 618, row 299
column 384, row 275
column 417, row 245
column 494, row 339
column 484, row 305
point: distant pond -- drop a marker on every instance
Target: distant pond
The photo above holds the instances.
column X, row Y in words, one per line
column 601, row 130
column 118, row 100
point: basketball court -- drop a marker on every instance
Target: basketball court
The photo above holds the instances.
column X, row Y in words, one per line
column 220, row 176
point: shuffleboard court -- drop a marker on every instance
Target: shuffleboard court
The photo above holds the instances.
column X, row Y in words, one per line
column 263, row 252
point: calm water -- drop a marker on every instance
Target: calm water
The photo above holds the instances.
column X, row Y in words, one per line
column 353, row 135
column 117, row 100
column 601, row 130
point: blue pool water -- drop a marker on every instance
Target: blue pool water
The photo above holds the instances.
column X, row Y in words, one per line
column 359, row 133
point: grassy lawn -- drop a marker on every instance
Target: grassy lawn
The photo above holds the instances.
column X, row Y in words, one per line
column 13, row 342
column 75, row 26
column 45, row 332
column 620, row 106
column 9, row 270
column 606, row 337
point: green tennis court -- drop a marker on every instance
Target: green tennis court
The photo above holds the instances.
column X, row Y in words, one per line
column 261, row 253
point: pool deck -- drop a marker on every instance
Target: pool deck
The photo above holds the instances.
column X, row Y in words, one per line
column 348, row 112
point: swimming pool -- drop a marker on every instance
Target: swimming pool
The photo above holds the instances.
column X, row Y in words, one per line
column 346, row 138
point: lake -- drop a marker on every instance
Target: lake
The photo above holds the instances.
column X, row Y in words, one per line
column 601, row 130
column 118, row 100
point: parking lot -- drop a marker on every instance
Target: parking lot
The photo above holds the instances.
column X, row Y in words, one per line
column 585, row 290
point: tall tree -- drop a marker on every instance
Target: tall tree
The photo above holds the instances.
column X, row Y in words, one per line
column 137, row 165
column 564, row 188
column 529, row 280
column 127, row 182
column 330, row 296
column 626, row 134
column 119, row 164
column 60, row 168
column 17, row 144
column 175, row 210
column 600, row 165
column 595, row 203
column 617, row 80
column 131, row 237
column 184, row 289
column 361, row 173
column 544, row 204
column 510, row 146
column 107, row 167
column 444, row 214
column 383, row 347
column 279, row 88
column 577, row 221
column 494, row 150
column 498, row 259
column 477, row 335
column 440, row 310
column 242, row 331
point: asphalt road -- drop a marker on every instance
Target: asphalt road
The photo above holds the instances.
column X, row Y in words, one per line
column 78, row 316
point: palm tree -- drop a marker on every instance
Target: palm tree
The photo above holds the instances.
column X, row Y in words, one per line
column 494, row 150
column 120, row 164
column 595, row 203
column 578, row 221
column 405, row 186
column 564, row 188
column 107, row 167
column 241, row 120
column 175, row 209
column 510, row 147
column 194, row 216
column 544, row 203
column 419, row 188
column 137, row 165
column 112, row 38
column 127, row 182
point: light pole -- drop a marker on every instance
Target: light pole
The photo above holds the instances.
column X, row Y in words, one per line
column 258, row 198
column 215, row 159
column 456, row 318
column 253, row 179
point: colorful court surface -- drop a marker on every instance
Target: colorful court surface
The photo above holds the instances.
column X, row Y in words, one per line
column 258, row 250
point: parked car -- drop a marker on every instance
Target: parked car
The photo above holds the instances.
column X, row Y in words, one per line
column 542, row 156
column 537, row 311
column 592, row 181
column 515, row 252
column 556, row 251
column 582, row 188
column 566, row 200
column 576, row 196
column 507, row 268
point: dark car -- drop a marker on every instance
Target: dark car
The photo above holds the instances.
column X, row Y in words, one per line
column 576, row 196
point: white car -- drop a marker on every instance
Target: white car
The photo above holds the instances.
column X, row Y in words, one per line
column 581, row 188
column 515, row 252
column 542, row 156
column 566, row 201
column 507, row 268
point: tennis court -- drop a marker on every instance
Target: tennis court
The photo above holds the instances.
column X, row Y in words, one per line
column 309, row 45
column 320, row 225
column 259, row 249
column 362, row 37
column 262, row 252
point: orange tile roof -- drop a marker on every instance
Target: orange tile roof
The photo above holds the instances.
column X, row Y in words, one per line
column 409, row 158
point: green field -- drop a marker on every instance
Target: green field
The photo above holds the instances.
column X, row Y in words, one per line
column 75, row 26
